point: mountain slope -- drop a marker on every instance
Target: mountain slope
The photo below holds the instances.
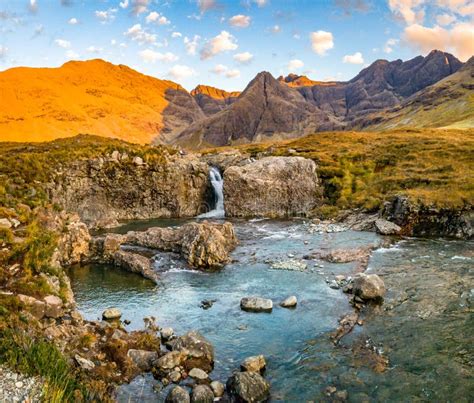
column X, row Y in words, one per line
column 449, row 103
column 265, row 109
column 212, row 100
column 295, row 80
column 94, row 97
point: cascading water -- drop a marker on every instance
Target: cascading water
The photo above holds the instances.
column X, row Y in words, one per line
column 217, row 186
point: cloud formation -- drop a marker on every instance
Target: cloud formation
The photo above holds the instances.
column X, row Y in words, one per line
column 408, row 10
column 106, row 15
column 157, row 18
column 206, row 5
column 3, row 52
column 73, row 21
column 140, row 35
column 240, row 21
column 180, row 72
column 150, row 56
column 223, row 70
column 295, row 64
column 388, row 47
column 244, row 58
column 62, row 43
column 321, row 42
column 220, row 43
column 356, row 58
column 140, row 6
column 191, row 44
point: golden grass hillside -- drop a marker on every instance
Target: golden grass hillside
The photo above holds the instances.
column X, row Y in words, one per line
column 362, row 169
column 96, row 97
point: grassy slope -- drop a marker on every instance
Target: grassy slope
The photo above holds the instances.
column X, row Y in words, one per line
column 362, row 169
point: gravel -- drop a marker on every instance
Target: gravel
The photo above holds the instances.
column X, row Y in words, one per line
column 18, row 388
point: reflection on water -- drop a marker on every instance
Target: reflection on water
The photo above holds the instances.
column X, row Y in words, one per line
column 425, row 330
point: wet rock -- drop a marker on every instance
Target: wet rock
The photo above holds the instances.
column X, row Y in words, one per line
column 53, row 306
column 111, row 314
column 271, row 187
column 135, row 263
column 143, row 359
column 386, row 227
column 291, row 264
column 218, row 388
column 170, row 360
column 199, row 352
column 289, row 302
column 346, row 324
column 256, row 304
column 167, row 333
column 202, row 394
column 248, row 387
column 368, row 286
column 84, row 363
column 175, row 376
column 255, row 363
column 341, row 395
column 344, row 255
column 178, row 395
column 207, row 303
column 198, row 374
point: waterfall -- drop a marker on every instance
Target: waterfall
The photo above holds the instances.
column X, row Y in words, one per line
column 217, row 186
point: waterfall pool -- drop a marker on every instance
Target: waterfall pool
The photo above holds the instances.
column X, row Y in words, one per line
column 424, row 328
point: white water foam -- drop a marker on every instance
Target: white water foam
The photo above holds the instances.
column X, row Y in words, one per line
column 218, row 187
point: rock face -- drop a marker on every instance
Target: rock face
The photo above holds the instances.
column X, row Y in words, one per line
column 256, row 304
column 204, row 245
column 368, row 286
column 212, row 100
column 271, row 187
column 248, row 387
column 101, row 190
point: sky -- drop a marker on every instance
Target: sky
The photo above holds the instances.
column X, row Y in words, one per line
column 225, row 43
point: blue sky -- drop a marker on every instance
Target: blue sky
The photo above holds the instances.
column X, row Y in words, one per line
column 226, row 43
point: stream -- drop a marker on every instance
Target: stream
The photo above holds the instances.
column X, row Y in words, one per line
column 424, row 328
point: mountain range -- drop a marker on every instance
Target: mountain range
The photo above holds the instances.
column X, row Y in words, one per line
column 101, row 98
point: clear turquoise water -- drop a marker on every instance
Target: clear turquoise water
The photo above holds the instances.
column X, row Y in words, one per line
column 301, row 359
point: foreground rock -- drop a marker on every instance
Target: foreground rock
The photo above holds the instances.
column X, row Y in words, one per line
column 289, row 302
column 204, row 245
column 202, row 394
column 198, row 351
column 386, row 227
column 368, row 286
column 143, row 359
column 178, row 395
column 248, row 387
column 111, row 314
column 256, row 304
column 271, row 187
column 255, row 363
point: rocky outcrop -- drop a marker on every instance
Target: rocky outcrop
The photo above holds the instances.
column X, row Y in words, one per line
column 271, row 187
column 135, row 263
column 204, row 245
column 385, row 227
column 115, row 188
column 198, row 352
column 212, row 100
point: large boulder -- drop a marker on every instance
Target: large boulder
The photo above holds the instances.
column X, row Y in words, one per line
column 202, row 394
column 248, row 387
column 143, row 359
column 271, row 187
column 204, row 245
column 199, row 352
column 255, row 363
column 178, row 395
column 368, row 286
column 256, row 304
column 135, row 263
column 53, row 306
column 386, row 227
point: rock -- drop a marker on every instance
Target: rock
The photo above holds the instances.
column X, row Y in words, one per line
column 202, row 394
column 167, row 333
column 341, row 395
column 291, row 264
column 84, row 363
column 198, row 374
column 204, row 245
column 289, row 302
column 175, row 376
column 178, row 395
column 330, row 390
column 135, row 263
column 256, row 304
column 36, row 307
column 115, row 155
column 111, row 314
column 5, row 223
column 255, row 363
column 344, row 255
column 271, row 187
column 53, row 307
column 143, row 359
column 199, row 352
column 111, row 245
column 218, row 388
column 170, row 360
column 368, row 286
column 248, row 387
column 386, row 227
column 207, row 303
column 137, row 161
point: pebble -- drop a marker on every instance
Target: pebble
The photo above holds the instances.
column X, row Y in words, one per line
column 19, row 388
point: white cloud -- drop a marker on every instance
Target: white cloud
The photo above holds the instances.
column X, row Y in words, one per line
column 94, row 49
column 275, row 29
column 220, row 43
column 261, row 3
column 295, row 64
column 191, row 44
column 179, row 72
column 3, row 52
column 356, row 58
column 176, row 35
column 124, row 4
column 321, row 42
column 244, row 58
column 461, row 7
column 221, row 69
column 408, row 10
column 73, row 21
column 139, row 34
column 240, row 21
column 458, row 40
column 113, row 42
column 388, row 47
column 157, row 18
column 206, row 5
column 140, row 6
column 445, row 19
column 106, row 15
column 62, row 43
column 296, row 36
column 150, row 56
column 33, row 6
column 72, row 55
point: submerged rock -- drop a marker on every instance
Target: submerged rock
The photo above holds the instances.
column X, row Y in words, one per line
column 111, row 314
column 386, row 227
column 368, row 286
column 248, row 387
column 178, row 395
column 256, row 304
column 289, row 302
column 202, row 394
column 255, row 363
column 271, row 187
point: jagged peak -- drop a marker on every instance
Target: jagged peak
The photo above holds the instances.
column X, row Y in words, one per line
column 213, row 92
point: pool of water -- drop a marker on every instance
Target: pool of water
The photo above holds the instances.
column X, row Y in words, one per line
column 419, row 334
